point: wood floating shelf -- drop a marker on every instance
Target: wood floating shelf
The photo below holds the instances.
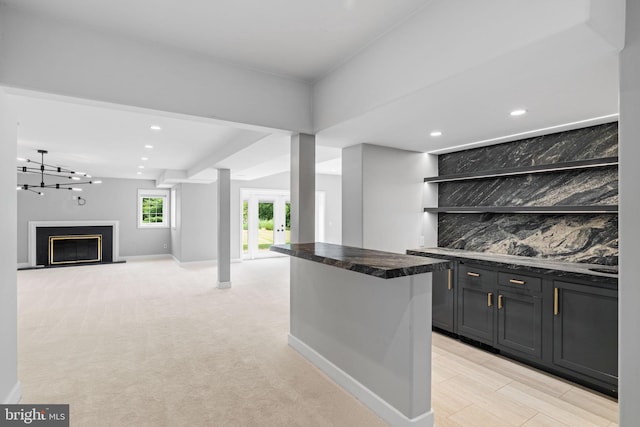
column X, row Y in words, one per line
column 524, row 170
column 526, row 209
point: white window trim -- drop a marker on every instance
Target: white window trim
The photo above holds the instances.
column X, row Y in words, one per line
column 172, row 215
column 165, row 207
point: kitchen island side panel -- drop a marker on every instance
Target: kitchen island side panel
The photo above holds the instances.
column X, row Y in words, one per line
column 376, row 330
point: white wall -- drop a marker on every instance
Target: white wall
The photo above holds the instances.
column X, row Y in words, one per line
column 391, row 185
column 352, row 196
column 330, row 184
column 430, row 200
column 49, row 56
column 9, row 387
column 114, row 199
column 198, row 219
column 628, row 289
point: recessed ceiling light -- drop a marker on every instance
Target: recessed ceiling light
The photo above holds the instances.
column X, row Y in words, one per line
column 155, row 127
column 518, row 112
column 139, row 173
column 436, row 133
column 144, row 158
column 149, row 146
column 140, row 167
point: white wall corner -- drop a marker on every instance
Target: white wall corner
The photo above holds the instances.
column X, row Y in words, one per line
column 607, row 19
column 14, row 395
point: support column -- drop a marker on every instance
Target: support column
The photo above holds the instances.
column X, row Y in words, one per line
column 303, row 188
column 9, row 384
column 629, row 230
column 224, row 228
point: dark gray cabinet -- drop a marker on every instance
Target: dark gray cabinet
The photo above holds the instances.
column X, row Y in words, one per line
column 443, row 300
column 475, row 303
column 569, row 328
column 585, row 331
column 519, row 323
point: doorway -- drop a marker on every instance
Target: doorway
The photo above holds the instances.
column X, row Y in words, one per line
column 266, row 221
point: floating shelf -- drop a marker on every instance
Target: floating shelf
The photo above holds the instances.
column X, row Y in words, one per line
column 524, row 170
column 526, row 209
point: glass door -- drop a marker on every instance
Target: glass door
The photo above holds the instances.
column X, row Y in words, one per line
column 266, row 220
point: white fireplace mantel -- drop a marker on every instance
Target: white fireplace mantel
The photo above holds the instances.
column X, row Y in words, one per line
column 33, row 225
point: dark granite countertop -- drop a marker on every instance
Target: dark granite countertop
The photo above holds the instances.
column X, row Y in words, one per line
column 535, row 265
column 385, row 265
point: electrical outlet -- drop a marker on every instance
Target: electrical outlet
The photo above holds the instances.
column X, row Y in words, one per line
column 165, row 246
column 421, row 241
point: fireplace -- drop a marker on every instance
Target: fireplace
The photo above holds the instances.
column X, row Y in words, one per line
column 60, row 243
column 75, row 249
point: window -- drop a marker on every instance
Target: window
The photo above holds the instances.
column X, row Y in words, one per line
column 153, row 208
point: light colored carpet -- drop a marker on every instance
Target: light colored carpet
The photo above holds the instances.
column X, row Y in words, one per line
column 151, row 343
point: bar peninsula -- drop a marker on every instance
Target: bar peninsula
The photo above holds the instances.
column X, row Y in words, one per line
column 363, row 317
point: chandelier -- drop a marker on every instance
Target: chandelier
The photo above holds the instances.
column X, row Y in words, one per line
column 43, row 169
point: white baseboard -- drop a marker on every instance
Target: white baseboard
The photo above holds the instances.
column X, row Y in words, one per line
column 378, row 405
column 224, row 285
column 145, row 257
column 23, row 265
column 14, row 395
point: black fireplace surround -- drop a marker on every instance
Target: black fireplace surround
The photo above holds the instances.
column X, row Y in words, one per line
column 42, row 243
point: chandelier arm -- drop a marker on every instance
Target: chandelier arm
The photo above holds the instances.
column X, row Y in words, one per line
column 43, row 169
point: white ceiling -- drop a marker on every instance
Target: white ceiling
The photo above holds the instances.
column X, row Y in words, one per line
column 303, row 39
column 566, row 77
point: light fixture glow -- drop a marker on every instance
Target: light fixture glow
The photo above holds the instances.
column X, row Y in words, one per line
column 436, row 133
column 76, row 189
column 21, row 159
column 140, row 167
column 96, row 182
column 519, row 112
column 18, row 188
column 155, row 127
column 144, row 159
column 139, row 173
column 148, row 146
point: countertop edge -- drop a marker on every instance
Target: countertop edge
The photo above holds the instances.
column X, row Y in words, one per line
column 371, row 269
column 550, row 269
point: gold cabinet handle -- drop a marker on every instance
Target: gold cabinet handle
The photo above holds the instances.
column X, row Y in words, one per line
column 472, row 274
column 499, row 302
column 555, row 301
column 489, row 299
column 449, row 280
column 517, row 282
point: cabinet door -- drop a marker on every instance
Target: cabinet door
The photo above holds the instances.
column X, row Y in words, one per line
column 585, row 330
column 519, row 323
column 443, row 300
column 475, row 303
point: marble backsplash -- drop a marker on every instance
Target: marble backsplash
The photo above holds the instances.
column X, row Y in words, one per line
column 572, row 238
column 568, row 188
column 580, row 144
column 589, row 238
